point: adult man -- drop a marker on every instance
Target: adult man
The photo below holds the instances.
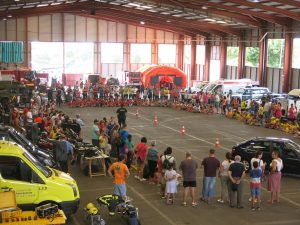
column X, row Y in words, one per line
column 236, row 173
column 122, row 115
column 95, row 133
column 189, row 167
column 211, row 164
column 63, row 149
column 121, row 172
column 267, row 110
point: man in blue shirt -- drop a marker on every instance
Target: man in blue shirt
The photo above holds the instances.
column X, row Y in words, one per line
column 95, row 133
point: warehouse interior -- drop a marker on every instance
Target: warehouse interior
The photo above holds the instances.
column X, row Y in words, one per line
column 201, row 31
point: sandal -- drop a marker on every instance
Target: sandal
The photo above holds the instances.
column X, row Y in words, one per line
column 184, row 204
column 194, row 203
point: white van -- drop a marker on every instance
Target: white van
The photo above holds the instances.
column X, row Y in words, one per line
column 224, row 86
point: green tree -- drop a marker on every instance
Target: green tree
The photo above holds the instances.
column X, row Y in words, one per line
column 252, row 56
column 232, row 56
column 275, row 53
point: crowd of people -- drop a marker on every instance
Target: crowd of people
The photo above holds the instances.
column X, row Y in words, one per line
column 158, row 168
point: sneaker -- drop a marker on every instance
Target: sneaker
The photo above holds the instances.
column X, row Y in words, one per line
column 258, row 208
column 136, row 177
column 220, row 201
column 142, row 179
column 252, row 208
column 250, row 199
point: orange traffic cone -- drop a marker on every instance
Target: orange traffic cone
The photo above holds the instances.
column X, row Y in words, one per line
column 155, row 120
column 183, row 130
column 217, row 144
column 137, row 113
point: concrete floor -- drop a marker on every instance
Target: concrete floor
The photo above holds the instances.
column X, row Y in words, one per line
column 202, row 131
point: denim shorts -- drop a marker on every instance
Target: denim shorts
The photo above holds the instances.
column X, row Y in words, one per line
column 120, row 189
column 255, row 192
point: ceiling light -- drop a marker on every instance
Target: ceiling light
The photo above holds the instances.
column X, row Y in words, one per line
column 9, row 16
column 4, row 19
column 142, row 22
column 209, row 20
column 146, row 7
column 204, row 7
column 168, row 21
column 134, row 4
column 17, row 0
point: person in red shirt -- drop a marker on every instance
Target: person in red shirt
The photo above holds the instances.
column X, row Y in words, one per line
column 292, row 113
column 141, row 154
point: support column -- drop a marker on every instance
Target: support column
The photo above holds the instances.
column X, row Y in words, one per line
column 241, row 61
column 180, row 52
column 154, row 56
column 223, row 58
column 193, row 59
column 262, row 59
column 287, row 62
column 207, row 60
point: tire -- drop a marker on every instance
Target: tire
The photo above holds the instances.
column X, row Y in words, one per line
column 247, row 165
column 134, row 221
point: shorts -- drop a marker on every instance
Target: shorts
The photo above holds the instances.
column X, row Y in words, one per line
column 120, row 189
column 189, row 183
column 255, row 192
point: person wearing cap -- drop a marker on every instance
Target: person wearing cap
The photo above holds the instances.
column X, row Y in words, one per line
column 121, row 172
column 95, row 133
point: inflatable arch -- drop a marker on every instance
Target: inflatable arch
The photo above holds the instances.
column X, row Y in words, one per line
column 157, row 76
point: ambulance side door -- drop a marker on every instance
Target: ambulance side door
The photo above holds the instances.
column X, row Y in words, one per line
column 17, row 175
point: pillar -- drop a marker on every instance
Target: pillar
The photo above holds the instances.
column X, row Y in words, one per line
column 241, row 61
column 223, row 59
column 180, row 52
column 262, row 59
column 287, row 62
column 207, row 60
column 193, row 59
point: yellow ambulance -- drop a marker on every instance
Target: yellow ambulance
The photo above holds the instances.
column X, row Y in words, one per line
column 34, row 183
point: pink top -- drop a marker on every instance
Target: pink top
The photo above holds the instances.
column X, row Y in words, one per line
column 141, row 151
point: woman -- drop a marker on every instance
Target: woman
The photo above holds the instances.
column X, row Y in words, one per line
column 274, row 181
column 225, row 185
column 152, row 158
column 141, row 154
column 163, row 165
column 292, row 112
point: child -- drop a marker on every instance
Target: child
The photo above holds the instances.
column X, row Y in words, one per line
column 130, row 153
column 171, row 186
column 255, row 185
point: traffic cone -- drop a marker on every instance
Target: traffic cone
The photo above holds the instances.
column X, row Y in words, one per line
column 155, row 120
column 183, row 132
column 137, row 113
column 217, row 144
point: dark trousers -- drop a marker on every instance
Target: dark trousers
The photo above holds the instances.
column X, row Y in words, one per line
column 122, row 121
column 237, row 195
column 95, row 142
column 64, row 166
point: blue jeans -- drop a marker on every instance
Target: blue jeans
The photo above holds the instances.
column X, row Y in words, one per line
column 208, row 189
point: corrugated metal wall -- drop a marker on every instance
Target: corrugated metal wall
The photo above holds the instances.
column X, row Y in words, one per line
column 72, row 28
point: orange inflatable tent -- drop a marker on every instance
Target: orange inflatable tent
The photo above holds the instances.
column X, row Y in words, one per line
column 155, row 75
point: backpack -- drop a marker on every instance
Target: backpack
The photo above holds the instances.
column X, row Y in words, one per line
column 166, row 162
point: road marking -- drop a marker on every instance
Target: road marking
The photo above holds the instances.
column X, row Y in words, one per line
column 211, row 143
column 168, row 219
